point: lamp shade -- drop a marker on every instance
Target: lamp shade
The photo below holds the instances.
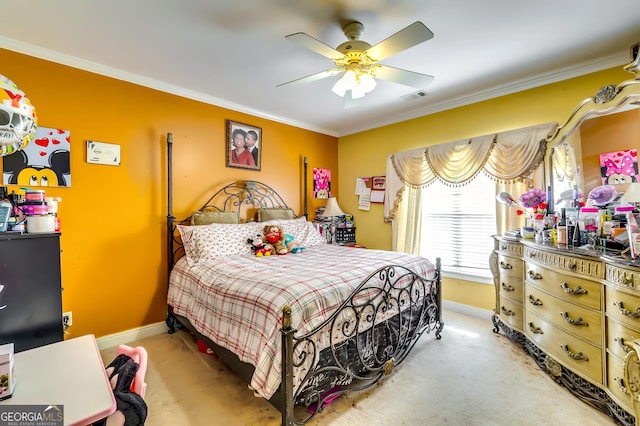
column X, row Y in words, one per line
column 632, row 194
column 332, row 208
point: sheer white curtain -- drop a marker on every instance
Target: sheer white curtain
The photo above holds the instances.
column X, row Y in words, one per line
column 510, row 158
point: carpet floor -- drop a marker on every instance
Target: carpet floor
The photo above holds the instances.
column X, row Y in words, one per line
column 471, row 376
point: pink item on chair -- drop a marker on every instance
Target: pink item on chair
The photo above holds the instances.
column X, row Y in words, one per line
column 138, row 355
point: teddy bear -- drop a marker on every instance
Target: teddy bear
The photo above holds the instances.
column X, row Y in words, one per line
column 259, row 247
column 292, row 245
column 274, row 235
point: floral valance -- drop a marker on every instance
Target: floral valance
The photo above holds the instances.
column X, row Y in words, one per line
column 507, row 157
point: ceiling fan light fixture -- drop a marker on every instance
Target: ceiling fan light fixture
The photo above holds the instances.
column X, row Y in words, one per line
column 367, row 82
column 339, row 88
column 357, row 92
column 346, row 82
column 359, row 82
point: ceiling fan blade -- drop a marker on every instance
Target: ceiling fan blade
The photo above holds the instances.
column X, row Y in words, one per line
column 412, row 35
column 313, row 77
column 317, row 46
column 349, row 102
column 397, row 75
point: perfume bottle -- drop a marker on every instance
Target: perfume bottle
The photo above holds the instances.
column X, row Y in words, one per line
column 562, row 228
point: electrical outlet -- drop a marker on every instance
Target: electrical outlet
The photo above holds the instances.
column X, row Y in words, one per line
column 67, row 319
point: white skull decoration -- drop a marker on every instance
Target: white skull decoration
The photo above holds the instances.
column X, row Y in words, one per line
column 18, row 121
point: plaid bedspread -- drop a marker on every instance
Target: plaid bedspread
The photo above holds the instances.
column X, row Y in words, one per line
column 237, row 301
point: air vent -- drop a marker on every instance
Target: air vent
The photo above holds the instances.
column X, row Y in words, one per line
column 412, row 96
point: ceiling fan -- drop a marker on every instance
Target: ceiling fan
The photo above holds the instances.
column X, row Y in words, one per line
column 359, row 61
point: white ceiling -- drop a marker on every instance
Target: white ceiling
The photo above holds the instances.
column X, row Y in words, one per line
column 234, row 53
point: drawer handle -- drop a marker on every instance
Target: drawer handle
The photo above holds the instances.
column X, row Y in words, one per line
column 631, row 314
column 534, row 301
column 534, row 275
column 503, row 247
column 577, row 290
column 507, row 312
column 571, row 321
column 505, row 265
column 507, row 287
column 626, row 280
column 573, row 265
column 624, row 347
column 620, row 383
column 533, row 254
column 534, row 329
column 577, row 356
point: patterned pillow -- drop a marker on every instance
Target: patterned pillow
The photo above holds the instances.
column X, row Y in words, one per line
column 208, row 242
column 310, row 236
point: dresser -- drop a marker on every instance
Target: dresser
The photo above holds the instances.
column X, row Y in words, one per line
column 577, row 313
column 30, row 290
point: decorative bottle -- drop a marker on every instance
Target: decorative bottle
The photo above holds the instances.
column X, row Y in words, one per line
column 562, row 228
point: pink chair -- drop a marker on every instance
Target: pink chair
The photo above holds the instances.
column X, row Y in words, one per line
column 138, row 355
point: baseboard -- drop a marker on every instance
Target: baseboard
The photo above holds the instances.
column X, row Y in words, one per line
column 461, row 308
column 128, row 336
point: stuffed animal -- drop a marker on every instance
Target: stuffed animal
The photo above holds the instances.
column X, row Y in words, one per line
column 292, row 245
column 274, row 235
column 259, row 247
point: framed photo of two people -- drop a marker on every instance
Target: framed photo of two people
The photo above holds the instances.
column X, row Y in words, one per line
column 244, row 146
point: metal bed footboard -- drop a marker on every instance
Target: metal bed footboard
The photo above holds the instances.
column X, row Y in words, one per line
column 365, row 349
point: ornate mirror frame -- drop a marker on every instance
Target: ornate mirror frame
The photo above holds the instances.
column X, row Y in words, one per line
column 609, row 99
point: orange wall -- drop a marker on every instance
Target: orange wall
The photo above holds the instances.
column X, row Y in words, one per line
column 113, row 218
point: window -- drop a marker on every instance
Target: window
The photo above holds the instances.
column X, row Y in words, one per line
column 457, row 225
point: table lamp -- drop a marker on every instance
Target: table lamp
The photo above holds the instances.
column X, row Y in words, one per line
column 332, row 210
column 632, row 194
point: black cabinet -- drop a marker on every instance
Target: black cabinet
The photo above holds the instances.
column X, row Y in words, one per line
column 30, row 290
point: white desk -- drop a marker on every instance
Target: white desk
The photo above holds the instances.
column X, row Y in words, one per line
column 69, row 373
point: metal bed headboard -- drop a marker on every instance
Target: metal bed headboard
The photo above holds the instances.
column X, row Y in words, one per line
column 239, row 196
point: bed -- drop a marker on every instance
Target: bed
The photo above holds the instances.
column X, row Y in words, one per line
column 303, row 328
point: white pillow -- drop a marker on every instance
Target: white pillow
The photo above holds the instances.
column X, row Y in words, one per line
column 304, row 233
column 207, row 242
column 310, row 236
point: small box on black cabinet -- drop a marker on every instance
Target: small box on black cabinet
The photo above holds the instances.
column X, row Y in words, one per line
column 346, row 235
column 7, row 378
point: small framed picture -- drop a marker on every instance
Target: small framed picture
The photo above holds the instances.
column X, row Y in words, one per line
column 379, row 182
column 244, row 146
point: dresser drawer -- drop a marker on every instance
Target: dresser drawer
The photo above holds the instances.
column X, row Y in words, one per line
column 510, row 247
column 574, row 319
column 615, row 382
column 617, row 334
column 511, row 287
column 574, row 353
column 567, row 287
column 511, row 313
column 623, row 277
column 509, row 266
column 623, row 307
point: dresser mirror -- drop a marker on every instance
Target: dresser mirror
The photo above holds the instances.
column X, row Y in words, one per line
column 607, row 122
